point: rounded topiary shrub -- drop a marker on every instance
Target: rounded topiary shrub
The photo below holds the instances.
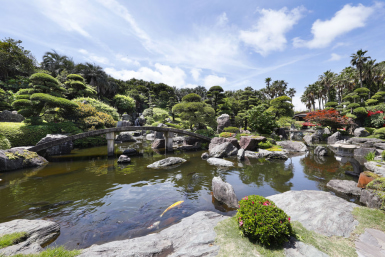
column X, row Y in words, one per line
column 4, row 143
column 231, row 129
column 260, row 220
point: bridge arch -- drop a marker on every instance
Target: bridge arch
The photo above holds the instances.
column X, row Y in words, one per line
column 110, row 135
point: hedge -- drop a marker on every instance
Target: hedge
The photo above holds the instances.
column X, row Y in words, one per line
column 20, row 134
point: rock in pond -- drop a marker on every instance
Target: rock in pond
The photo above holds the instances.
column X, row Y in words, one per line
column 224, row 192
column 125, row 137
column 320, row 151
column 241, row 154
column 223, row 150
column 170, row 161
column 293, row 146
column 220, row 162
column 311, row 139
column 220, row 140
column 205, row 156
column 361, row 132
column 267, row 154
column 376, row 167
column 334, row 138
column 124, row 159
column 250, row 143
column 64, row 148
column 193, row 236
column 39, row 232
column 150, row 137
column 17, row 158
column 130, row 152
column 319, row 211
column 158, row 144
column 347, row 187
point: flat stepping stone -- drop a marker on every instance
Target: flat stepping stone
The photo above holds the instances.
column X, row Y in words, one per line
column 295, row 248
column 371, row 243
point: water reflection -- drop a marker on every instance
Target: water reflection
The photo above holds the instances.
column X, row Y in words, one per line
column 96, row 200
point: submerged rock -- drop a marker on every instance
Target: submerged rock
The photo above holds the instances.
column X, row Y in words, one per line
column 17, row 158
column 170, row 161
column 205, row 156
column 39, row 232
column 219, row 162
column 320, row 151
column 193, row 236
column 130, row 152
column 64, row 148
column 223, row 150
column 293, row 146
column 224, row 192
column 241, row 154
column 150, row 137
column 318, row 211
column 347, row 187
column 124, row 159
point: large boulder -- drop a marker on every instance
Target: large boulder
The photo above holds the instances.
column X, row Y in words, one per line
column 376, row 167
column 178, row 140
column 158, row 144
column 281, row 155
column 124, row 159
column 220, row 140
column 223, row 122
column 293, row 146
column 205, row 156
column 223, row 150
column 64, row 148
column 250, row 143
column 320, row 151
column 371, row 199
column 364, row 151
column 170, row 161
column 334, row 138
column 361, row 132
column 346, row 187
column 379, row 145
column 130, row 152
column 220, row 162
column 318, row 211
column 193, row 236
column 191, row 140
column 311, row 139
column 17, row 158
column 224, row 192
column 123, row 123
column 150, row 137
column 241, row 154
column 39, row 233
column 8, row 116
column 125, row 137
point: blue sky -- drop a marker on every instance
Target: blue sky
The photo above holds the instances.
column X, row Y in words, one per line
column 233, row 44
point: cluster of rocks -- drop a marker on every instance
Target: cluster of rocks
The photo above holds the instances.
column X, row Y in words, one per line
column 18, row 158
column 10, row 116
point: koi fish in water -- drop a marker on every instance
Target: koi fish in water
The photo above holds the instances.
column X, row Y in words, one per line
column 172, row 206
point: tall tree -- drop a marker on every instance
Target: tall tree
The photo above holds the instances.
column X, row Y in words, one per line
column 358, row 60
column 55, row 63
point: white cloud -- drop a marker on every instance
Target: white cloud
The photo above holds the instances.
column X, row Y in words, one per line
column 269, row 33
column 298, row 105
column 222, row 19
column 161, row 74
column 127, row 60
column 196, row 73
column 93, row 58
column 335, row 57
column 213, row 80
column 345, row 20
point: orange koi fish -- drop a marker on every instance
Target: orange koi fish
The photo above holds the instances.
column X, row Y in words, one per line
column 172, row 206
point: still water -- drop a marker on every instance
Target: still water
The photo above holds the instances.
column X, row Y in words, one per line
column 95, row 200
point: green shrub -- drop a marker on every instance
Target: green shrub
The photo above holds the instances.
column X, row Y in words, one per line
column 100, row 106
column 260, row 220
column 370, row 156
column 231, row 129
column 4, row 143
column 265, row 145
column 155, row 124
column 352, row 116
column 11, row 239
column 192, row 98
column 383, row 155
column 285, row 121
column 124, row 103
column 360, row 111
column 379, row 133
column 226, row 134
column 370, row 130
column 238, row 136
column 209, row 132
column 159, row 114
column 176, row 126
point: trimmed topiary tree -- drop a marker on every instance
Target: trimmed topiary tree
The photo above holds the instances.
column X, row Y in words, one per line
column 99, row 105
column 76, row 87
column 124, row 104
column 262, row 221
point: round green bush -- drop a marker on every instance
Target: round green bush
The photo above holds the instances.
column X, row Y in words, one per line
column 379, row 133
column 261, row 220
column 360, row 110
column 209, row 132
column 353, row 105
column 4, row 143
column 265, row 145
column 192, row 98
column 231, row 129
column 75, row 77
column 331, row 104
column 99, row 105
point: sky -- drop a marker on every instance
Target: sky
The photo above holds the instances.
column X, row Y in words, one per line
column 233, row 44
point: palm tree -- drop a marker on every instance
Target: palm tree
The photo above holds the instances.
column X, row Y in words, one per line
column 95, row 76
column 358, row 60
column 291, row 93
column 54, row 62
column 327, row 79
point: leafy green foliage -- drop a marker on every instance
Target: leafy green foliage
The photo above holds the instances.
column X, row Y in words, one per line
column 383, row 155
column 231, row 129
column 4, row 143
column 281, row 106
column 100, row 106
column 209, row 132
column 226, row 134
column 285, row 121
column 124, row 104
column 360, row 111
column 159, row 114
column 194, row 113
column 53, row 252
column 265, row 145
column 260, row 220
column 192, row 98
column 370, row 156
column 379, row 133
column 261, row 121
column 176, row 126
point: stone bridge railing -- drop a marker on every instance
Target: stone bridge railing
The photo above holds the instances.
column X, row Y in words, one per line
column 110, row 135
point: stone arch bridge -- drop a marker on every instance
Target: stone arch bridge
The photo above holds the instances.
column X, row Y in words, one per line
column 110, row 136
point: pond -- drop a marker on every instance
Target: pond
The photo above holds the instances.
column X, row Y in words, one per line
column 95, row 200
